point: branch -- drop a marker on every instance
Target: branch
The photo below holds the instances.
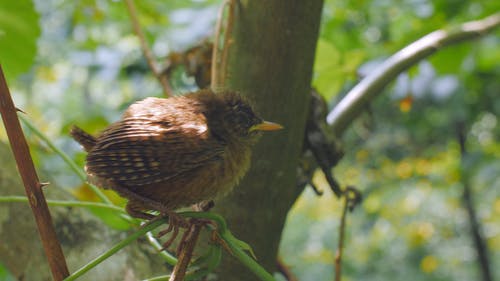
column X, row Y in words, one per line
column 186, row 252
column 352, row 198
column 352, row 104
column 220, row 55
column 163, row 79
column 32, row 185
column 227, row 41
column 188, row 242
column 340, row 246
column 475, row 226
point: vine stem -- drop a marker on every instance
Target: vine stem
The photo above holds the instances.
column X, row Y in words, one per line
column 32, row 185
column 78, row 171
column 236, row 246
column 142, row 231
column 233, row 243
column 65, row 203
column 148, row 54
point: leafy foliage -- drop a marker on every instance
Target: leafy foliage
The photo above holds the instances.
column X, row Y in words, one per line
column 19, row 31
column 403, row 153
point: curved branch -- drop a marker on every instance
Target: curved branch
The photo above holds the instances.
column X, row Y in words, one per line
column 353, row 103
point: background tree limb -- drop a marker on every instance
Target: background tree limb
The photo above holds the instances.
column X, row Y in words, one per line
column 353, row 103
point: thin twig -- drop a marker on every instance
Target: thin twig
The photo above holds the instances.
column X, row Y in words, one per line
column 32, row 185
column 186, row 251
column 352, row 197
column 353, row 103
column 475, row 226
column 163, row 79
column 227, row 42
column 340, row 246
column 216, row 80
column 188, row 243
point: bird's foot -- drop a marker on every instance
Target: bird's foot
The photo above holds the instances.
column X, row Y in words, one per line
column 175, row 221
column 192, row 222
column 203, row 206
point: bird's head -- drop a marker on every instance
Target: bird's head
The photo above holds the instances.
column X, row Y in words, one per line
column 235, row 120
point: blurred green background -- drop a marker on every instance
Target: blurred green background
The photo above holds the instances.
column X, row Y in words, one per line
column 78, row 62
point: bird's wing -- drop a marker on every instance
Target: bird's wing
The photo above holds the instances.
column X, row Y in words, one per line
column 141, row 151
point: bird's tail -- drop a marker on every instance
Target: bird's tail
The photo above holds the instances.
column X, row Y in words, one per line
column 85, row 139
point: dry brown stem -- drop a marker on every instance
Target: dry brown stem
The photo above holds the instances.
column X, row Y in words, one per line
column 32, row 185
column 163, row 79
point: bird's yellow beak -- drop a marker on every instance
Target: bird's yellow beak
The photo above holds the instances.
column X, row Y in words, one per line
column 266, row 126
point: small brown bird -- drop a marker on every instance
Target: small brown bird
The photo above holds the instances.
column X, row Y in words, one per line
column 165, row 154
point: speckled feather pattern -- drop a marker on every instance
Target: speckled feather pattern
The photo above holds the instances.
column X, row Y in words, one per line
column 169, row 153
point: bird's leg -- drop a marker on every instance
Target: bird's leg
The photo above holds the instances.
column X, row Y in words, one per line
column 134, row 208
column 138, row 203
column 204, row 206
column 199, row 207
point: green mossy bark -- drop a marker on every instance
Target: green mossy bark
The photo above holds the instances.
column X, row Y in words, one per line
column 271, row 61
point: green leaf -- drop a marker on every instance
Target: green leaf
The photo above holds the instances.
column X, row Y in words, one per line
column 450, row 60
column 244, row 246
column 19, row 31
column 332, row 67
column 5, row 275
column 327, row 69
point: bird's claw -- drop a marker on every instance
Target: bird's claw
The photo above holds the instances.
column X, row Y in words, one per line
column 175, row 221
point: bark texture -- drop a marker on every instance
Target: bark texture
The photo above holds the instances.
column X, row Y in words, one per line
column 271, row 60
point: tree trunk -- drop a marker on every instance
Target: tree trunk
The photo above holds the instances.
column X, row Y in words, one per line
column 271, row 60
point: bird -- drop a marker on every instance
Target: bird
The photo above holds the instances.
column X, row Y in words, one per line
column 169, row 153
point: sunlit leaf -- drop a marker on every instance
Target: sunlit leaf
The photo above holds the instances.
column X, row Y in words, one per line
column 429, row 264
column 19, row 31
column 5, row 275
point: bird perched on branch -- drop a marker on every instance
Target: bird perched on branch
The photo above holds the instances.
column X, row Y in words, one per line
column 165, row 154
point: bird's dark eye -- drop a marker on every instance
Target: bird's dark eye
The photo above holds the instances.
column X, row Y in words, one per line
column 244, row 115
